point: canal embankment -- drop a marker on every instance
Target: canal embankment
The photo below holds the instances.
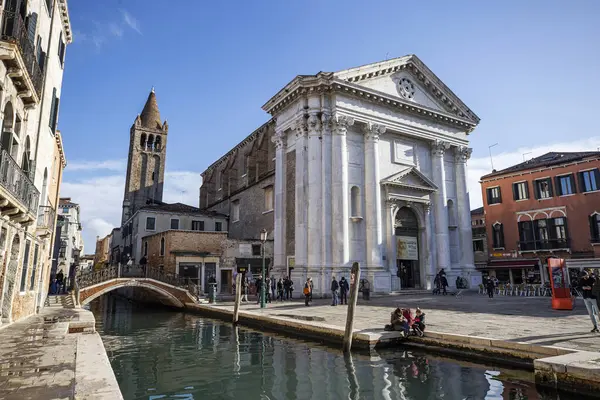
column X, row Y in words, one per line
column 558, row 347
column 55, row 354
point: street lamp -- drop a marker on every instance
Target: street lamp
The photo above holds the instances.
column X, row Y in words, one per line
column 263, row 239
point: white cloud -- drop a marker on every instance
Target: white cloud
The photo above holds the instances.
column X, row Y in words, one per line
column 100, row 198
column 131, row 21
column 111, row 165
column 115, row 29
column 478, row 167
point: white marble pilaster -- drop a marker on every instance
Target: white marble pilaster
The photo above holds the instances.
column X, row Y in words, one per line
column 429, row 246
column 301, row 198
column 390, row 234
column 279, row 237
column 462, row 154
column 314, row 191
column 339, row 195
column 326, row 192
column 372, row 192
column 438, row 148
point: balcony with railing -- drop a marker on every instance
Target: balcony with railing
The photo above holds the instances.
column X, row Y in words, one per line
column 45, row 220
column 18, row 53
column 563, row 244
column 19, row 199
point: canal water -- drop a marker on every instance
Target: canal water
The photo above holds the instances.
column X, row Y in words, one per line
column 161, row 354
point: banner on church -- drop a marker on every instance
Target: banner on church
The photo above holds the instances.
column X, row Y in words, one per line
column 407, row 248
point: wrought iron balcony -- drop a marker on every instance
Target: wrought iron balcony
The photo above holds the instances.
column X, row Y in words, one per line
column 14, row 180
column 19, row 55
column 45, row 221
column 545, row 245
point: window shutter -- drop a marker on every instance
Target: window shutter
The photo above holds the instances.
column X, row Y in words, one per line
column 489, row 196
column 42, row 60
column 31, row 25
column 515, row 191
column 499, row 195
column 592, row 220
column 527, row 189
column 550, row 187
column 61, row 52
column 558, row 185
column 55, row 122
column 536, row 190
column 581, row 182
column 573, row 185
column 501, row 235
column 50, row 121
column 597, row 177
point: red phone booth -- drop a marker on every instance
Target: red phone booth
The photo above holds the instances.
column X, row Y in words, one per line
column 561, row 290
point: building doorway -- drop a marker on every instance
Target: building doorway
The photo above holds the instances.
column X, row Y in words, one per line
column 210, row 271
column 407, row 248
column 191, row 271
column 226, row 281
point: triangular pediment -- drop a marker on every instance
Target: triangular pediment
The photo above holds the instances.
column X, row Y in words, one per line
column 410, row 80
column 410, row 178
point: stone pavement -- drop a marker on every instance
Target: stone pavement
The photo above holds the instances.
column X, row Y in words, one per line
column 39, row 359
column 524, row 319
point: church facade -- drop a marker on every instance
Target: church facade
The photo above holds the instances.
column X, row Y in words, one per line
column 370, row 166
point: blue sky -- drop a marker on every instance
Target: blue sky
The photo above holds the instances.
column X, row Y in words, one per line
column 529, row 69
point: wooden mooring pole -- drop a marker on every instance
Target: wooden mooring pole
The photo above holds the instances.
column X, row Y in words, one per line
column 238, row 297
column 354, row 281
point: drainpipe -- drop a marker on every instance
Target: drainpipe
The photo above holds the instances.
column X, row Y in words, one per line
column 39, row 130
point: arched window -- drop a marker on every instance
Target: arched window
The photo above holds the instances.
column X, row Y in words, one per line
column 150, row 143
column 162, row 246
column 355, row 206
column 143, row 141
column 157, row 143
column 497, row 235
column 26, row 159
column 595, row 227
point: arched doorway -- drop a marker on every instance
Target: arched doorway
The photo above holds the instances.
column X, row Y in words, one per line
column 406, row 229
column 11, row 274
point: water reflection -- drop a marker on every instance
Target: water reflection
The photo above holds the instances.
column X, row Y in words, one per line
column 158, row 354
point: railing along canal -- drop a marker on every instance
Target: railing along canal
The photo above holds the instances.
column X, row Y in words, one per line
column 113, row 272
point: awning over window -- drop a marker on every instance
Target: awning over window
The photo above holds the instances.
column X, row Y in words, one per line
column 517, row 263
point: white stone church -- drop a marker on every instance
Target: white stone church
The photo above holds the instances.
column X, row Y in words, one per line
column 369, row 166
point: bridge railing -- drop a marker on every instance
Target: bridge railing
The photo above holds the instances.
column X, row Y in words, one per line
column 112, row 272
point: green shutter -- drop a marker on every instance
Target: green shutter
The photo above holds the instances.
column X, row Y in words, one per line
column 31, row 26
column 550, row 187
column 52, row 108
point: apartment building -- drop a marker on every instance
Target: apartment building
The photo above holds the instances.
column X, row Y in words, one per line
column 544, row 207
column 34, row 35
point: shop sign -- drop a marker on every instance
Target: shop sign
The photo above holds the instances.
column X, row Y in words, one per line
column 505, row 255
column 407, row 248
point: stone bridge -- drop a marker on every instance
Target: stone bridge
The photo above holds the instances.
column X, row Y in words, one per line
column 170, row 289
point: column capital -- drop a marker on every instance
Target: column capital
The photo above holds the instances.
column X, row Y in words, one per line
column 373, row 131
column 314, row 123
column 341, row 123
column 279, row 140
column 326, row 122
column 300, row 126
column 462, row 154
column 439, row 147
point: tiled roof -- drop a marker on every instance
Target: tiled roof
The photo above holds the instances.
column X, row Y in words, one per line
column 546, row 160
column 477, row 211
column 180, row 208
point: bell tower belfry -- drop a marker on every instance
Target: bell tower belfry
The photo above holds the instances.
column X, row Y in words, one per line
column 146, row 160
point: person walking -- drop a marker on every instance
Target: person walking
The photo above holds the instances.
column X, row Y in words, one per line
column 291, row 288
column 490, row 287
column 586, row 283
column 273, row 286
column 60, row 281
column 259, row 285
column 311, row 288
column 444, row 284
column 280, row 289
column 307, row 292
column 344, row 287
column 286, row 287
column 596, row 290
column 244, row 289
column 334, row 291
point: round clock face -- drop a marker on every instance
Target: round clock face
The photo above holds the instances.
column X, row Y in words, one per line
column 406, row 88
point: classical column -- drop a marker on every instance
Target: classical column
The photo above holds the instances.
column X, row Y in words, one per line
column 391, row 250
column 326, row 191
column 372, row 191
column 279, row 237
column 301, row 199
column 314, row 191
column 462, row 154
column 339, row 194
column 438, row 148
column 429, row 266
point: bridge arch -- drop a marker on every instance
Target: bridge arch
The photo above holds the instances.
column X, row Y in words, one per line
column 109, row 286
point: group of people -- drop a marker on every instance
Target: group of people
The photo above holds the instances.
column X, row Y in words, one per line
column 440, row 283
column 403, row 321
column 58, row 284
column 339, row 291
column 275, row 289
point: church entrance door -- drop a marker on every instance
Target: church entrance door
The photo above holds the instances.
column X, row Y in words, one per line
column 407, row 248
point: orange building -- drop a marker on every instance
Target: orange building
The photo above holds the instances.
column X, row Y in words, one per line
column 546, row 206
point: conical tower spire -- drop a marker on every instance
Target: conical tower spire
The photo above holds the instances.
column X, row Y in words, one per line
column 150, row 116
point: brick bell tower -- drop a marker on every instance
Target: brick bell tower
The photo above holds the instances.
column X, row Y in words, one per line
column 146, row 160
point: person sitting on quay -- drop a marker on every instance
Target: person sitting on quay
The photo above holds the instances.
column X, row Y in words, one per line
column 344, row 288
column 307, row 292
column 419, row 322
column 398, row 323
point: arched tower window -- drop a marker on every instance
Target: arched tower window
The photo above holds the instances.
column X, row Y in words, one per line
column 150, row 143
column 157, row 143
column 355, row 205
column 143, row 141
